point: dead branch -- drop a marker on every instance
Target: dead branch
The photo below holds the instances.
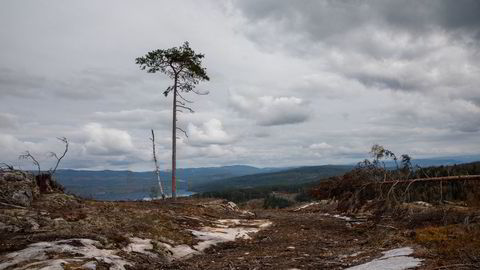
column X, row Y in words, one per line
column 391, row 189
column 59, row 159
column 184, row 99
column 456, row 266
column 200, row 93
column 184, row 132
column 7, row 166
column 443, row 178
column 186, row 108
column 424, row 173
column 12, row 205
column 27, row 155
column 180, row 102
column 387, row 226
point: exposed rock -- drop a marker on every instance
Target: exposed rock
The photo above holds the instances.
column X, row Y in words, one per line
column 5, row 228
column 18, row 188
column 22, row 197
column 55, row 201
column 224, row 205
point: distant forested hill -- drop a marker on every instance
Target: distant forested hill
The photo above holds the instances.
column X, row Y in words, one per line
column 287, row 177
column 123, row 185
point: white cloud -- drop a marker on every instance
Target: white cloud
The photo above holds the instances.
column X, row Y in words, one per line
column 320, row 146
column 210, row 132
column 107, row 141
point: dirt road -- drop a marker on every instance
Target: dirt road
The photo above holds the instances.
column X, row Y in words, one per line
column 300, row 240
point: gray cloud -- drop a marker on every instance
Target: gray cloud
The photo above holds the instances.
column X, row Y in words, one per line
column 136, row 118
column 417, row 46
column 292, row 82
column 8, row 121
column 272, row 111
column 321, row 20
column 457, row 115
column 86, row 84
column 20, row 84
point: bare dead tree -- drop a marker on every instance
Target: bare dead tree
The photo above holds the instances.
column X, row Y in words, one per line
column 45, row 180
column 157, row 169
column 59, row 159
column 4, row 166
column 27, row 155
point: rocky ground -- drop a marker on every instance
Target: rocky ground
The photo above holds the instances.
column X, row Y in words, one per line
column 312, row 238
column 60, row 231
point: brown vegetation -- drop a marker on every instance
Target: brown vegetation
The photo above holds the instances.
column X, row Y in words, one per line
column 438, row 204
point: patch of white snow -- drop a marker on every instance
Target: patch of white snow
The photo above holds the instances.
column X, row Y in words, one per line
column 226, row 230
column 395, row 259
column 85, row 248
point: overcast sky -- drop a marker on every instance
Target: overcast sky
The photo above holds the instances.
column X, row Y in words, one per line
column 292, row 82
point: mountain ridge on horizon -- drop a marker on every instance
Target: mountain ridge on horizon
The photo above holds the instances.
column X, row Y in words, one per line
column 131, row 185
column 439, row 160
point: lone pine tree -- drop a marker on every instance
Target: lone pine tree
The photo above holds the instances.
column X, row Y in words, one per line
column 184, row 67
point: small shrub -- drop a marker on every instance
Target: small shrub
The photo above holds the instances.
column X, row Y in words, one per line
column 303, row 197
column 272, row 201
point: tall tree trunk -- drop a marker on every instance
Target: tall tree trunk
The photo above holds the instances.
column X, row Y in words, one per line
column 174, row 141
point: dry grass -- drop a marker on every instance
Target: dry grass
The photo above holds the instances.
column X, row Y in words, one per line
column 459, row 243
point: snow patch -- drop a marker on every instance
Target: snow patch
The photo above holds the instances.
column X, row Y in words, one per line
column 35, row 256
column 395, row 259
column 226, row 230
column 85, row 248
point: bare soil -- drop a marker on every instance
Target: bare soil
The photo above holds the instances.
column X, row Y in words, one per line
column 310, row 238
column 302, row 240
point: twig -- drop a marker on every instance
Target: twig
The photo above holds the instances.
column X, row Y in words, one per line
column 387, row 226
column 443, row 178
column 200, row 93
column 9, row 167
column 186, row 108
column 184, row 132
column 52, row 154
column 27, row 155
column 184, row 99
column 12, row 205
column 473, row 266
